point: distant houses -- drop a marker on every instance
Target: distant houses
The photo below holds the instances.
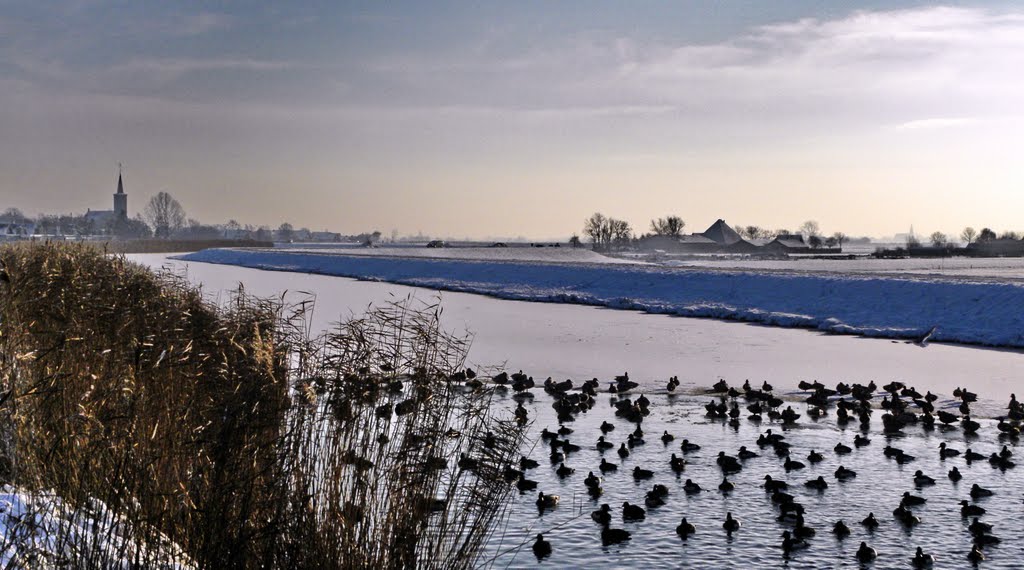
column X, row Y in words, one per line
column 721, row 238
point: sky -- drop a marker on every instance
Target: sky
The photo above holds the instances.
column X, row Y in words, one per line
column 505, row 119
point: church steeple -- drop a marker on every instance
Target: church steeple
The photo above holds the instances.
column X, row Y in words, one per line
column 120, row 198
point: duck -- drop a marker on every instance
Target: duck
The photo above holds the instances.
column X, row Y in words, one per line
column 843, row 474
column 524, row 484
column 969, row 510
column 861, row 440
column 774, row 484
column 815, row 457
column 978, row 492
column 623, row 452
column 819, row 483
column 677, row 464
column 912, row 500
column 592, row 480
column 526, row 463
column 546, row 501
column 865, row 553
column 603, row 515
column 842, row 449
column 840, row 530
column 564, row 471
column 977, row 527
column 791, row 464
column 870, row 521
column 667, row 438
column 954, row 475
column 653, row 500
column 660, row 490
column 639, row 473
column 614, row 535
column 726, row 485
column 922, row 560
column 906, row 517
column 789, row 544
column 541, row 547
column 688, row 447
column 745, row 453
column 975, row 555
column 946, row 452
column 603, row 445
column 728, row 463
column 634, row 440
column 690, row 487
column 606, row 467
column 547, row 435
column 920, row 479
column 685, row 529
column 633, row 512
column 730, row 525
column 607, row 427
column 972, row 456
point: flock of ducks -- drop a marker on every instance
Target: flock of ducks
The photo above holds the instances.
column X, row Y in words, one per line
column 900, row 407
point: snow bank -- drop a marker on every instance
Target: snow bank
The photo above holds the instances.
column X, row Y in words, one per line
column 39, row 530
column 890, row 307
column 517, row 252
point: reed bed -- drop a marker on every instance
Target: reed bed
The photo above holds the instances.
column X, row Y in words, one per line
column 173, row 433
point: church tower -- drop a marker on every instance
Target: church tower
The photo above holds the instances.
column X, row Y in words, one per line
column 120, row 199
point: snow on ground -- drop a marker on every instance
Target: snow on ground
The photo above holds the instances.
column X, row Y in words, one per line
column 516, row 252
column 904, row 307
column 39, row 530
column 999, row 268
column 582, row 342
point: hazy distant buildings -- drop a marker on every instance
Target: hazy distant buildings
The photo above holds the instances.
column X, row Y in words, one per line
column 721, row 238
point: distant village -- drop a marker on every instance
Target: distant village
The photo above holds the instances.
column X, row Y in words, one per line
column 163, row 217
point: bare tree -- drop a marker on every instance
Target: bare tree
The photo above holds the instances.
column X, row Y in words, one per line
column 938, row 239
column 574, row 241
column 164, row 214
column 968, row 235
column 1009, row 234
column 755, row 232
column 810, row 229
column 668, row 226
column 814, row 241
column 986, row 234
column 839, row 238
column 285, row 232
column 620, row 231
column 594, row 229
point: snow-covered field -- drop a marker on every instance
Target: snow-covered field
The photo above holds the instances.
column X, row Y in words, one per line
column 581, row 342
column 1004, row 269
column 976, row 311
column 517, row 252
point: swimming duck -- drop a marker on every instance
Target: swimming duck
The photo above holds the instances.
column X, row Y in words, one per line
column 954, row 474
column 841, row 530
column 946, row 452
column 815, row 457
column 726, row 485
column 978, row 527
column 800, row 529
column 633, row 440
column 527, row 463
column 906, row 517
column 524, row 484
column 546, row 501
column 912, row 500
column 667, row 438
column 865, row 553
column 844, row 474
column 623, row 452
column 690, row 487
column 730, row 525
column 541, row 548
column 564, row 471
column 969, row 510
column 789, row 544
column 653, row 500
column 728, row 463
column 606, row 467
column 639, row 473
column 602, row 516
column 688, row 447
column 791, row 464
column 972, row 456
column 773, row 484
column 1001, row 462
column 978, row 492
column 632, row 512
column 861, row 440
column 614, row 535
column 603, row 445
column 685, row 529
column 564, row 430
column 606, row 427
column 819, row 483
column 841, row 449
column 678, row 464
column 592, row 480
column 745, row 453
column 546, row 435
column 870, row 521
column 922, row 560
column 920, row 479
column 975, row 555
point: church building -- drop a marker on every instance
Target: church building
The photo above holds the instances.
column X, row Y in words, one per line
column 102, row 218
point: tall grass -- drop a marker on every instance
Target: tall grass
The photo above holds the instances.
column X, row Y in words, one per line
column 231, row 432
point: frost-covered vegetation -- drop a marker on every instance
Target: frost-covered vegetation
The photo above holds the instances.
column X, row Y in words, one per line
column 141, row 426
